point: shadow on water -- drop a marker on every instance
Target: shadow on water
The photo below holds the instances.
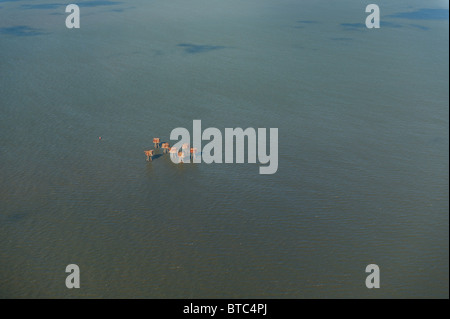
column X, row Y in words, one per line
column 162, row 166
column 156, row 156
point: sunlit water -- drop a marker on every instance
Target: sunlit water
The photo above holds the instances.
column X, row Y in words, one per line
column 363, row 171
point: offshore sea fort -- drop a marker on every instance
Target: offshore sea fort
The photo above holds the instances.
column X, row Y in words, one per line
column 234, row 145
column 363, row 143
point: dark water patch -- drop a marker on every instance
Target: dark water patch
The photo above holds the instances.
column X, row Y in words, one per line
column 43, row 6
column 99, row 3
column 342, row 39
column 307, row 21
column 303, row 23
column 353, row 26
column 361, row 26
column 21, row 31
column 389, row 24
column 423, row 14
column 17, row 217
column 89, row 4
column 418, row 26
column 121, row 9
column 199, row 48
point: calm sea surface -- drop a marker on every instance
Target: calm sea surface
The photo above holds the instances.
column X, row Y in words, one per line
column 363, row 177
